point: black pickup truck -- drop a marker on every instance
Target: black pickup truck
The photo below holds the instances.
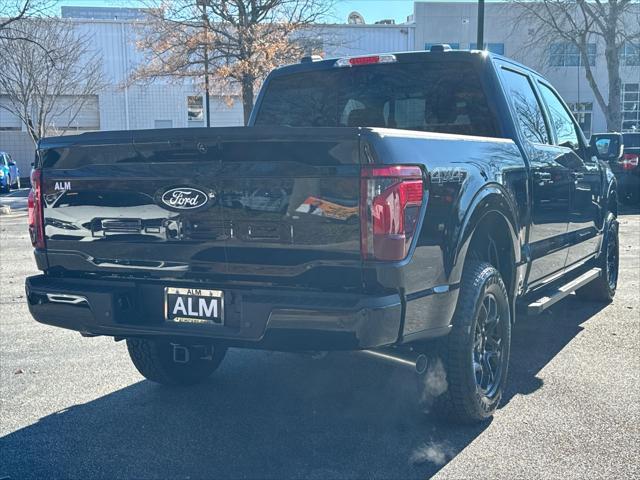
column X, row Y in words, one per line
column 406, row 205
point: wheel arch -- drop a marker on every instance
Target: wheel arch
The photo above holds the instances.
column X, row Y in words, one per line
column 612, row 199
column 491, row 223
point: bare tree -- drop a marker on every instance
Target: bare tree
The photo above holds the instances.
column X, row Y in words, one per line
column 47, row 90
column 580, row 23
column 230, row 44
column 12, row 11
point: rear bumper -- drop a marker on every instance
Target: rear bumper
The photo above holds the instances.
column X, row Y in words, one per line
column 260, row 318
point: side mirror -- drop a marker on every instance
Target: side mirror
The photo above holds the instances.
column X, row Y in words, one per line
column 607, row 146
column 12, row 163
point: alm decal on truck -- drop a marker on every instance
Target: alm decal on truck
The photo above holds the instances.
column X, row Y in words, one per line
column 62, row 186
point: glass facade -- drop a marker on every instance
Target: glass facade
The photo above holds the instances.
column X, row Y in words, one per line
column 631, row 107
column 630, row 55
column 567, row 54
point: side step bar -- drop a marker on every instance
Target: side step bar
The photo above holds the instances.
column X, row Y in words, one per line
column 561, row 292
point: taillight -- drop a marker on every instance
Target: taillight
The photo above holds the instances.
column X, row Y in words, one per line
column 367, row 60
column 391, row 199
column 36, row 220
column 629, row 161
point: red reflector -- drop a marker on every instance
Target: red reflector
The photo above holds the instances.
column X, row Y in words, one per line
column 391, row 200
column 629, row 161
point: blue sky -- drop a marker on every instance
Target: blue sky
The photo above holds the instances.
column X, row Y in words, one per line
column 372, row 10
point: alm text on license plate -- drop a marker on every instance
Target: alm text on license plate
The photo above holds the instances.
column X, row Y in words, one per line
column 194, row 305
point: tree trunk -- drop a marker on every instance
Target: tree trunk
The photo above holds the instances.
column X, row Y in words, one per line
column 34, row 133
column 247, row 97
column 611, row 53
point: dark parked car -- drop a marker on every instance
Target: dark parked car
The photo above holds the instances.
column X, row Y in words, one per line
column 421, row 200
column 627, row 170
column 9, row 173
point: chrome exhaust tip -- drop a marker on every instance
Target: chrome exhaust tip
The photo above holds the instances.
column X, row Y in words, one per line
column 416, row 361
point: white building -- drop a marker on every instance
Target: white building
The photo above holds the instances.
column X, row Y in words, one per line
column 164, row 104
column 455, row 23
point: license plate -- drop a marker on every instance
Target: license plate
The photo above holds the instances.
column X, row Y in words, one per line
column 194, row 305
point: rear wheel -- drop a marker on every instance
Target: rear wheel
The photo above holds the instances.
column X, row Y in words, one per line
column 474, row 357
column 603, row 288
column 171, row 364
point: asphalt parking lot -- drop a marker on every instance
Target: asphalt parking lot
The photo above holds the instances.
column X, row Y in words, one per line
column 76, row 408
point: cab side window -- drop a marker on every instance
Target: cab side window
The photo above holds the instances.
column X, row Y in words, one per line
column 527, row 109
column 561, row 121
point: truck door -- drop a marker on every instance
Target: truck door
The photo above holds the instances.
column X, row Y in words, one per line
column 550, row 180
column 585, row 215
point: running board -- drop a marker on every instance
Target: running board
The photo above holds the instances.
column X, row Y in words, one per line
column 561, row 292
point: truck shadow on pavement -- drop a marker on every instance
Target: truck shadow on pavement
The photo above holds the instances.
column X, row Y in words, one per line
column 536, row 340
column 273, row 415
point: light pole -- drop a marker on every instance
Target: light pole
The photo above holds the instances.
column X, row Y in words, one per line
column 205, row 25
column 480, row 38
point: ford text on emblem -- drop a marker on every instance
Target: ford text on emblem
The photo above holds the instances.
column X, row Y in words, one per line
column 185, row 198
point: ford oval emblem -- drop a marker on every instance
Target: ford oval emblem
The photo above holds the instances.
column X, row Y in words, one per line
column 185, row 198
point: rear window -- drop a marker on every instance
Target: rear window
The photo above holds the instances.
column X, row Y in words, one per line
column 431, row 97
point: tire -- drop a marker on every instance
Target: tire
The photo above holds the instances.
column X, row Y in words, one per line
column 479, row 343
column 17, row 184
column 154, row 359
column 603, row 288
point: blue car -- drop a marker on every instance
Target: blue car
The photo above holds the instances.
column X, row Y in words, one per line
column 9, row 173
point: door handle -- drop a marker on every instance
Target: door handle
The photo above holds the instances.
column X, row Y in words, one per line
column 577, row 175
column 542, row 176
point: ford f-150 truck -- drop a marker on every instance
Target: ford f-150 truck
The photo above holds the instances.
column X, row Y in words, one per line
column 406, row 205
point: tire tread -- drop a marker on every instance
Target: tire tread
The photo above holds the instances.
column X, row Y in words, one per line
column 456, row 404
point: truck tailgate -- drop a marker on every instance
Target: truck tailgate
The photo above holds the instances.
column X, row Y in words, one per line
column 257, row 205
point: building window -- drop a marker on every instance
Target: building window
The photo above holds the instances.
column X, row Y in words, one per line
column 630, row 55
column 454, row 46
column 195, row 108
column 568, row 55
column 8, row 120
column 582, row 112
column 631, row 107
column 492, row 47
